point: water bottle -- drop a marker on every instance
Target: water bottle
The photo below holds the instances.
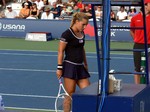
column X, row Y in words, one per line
column 143, row 65
column 1, row 103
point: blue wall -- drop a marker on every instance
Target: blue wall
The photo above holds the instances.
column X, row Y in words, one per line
column 19, row 28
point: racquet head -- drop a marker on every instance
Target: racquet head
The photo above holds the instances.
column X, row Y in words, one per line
column 63, row 100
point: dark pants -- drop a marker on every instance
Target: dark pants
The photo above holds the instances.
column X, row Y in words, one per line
column 137, row 55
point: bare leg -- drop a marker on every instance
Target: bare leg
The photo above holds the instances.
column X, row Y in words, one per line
column 137, row 79
column 70, row 86
column 82, row 83
column 67, row 104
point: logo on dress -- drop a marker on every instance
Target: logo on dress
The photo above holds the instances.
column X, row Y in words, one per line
column 80, row 41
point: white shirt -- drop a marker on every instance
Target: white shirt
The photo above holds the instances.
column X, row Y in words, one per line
column 121, row 15
column 39, row 4
column 44, row 16
column 52, row 1
column 98, row 13
column 11, row 14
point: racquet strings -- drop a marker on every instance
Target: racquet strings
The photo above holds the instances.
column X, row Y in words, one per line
column 63, row 103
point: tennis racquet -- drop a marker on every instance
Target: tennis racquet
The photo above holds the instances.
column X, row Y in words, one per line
column 63, row 100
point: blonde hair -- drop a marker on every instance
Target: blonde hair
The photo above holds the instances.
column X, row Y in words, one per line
column 78, row 16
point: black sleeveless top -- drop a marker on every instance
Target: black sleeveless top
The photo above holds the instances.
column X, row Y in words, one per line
column 33, row 12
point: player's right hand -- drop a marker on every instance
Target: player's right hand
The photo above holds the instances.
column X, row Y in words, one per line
column 59, row 73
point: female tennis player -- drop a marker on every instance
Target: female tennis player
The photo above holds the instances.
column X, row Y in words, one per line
column 72, row 63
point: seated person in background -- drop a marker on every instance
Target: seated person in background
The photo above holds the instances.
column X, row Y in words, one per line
column 112, row 15
column 69, row 11
column 45, row 2
column 66, row 13
column 98, row 12
column 4, row 4
column 34, row 12
column 70, row 3
column 2, row 14
column 10, row 13
column 63, row 12
column 121, row 14
column 88, row 11
column 29, row 4
column 59, row 3
column 40, row 5
column 47, row 14
column 51, row 2
column 80, row 5
column 56, row 10
column 24, row 12
column 76, row 9
column 132, row 12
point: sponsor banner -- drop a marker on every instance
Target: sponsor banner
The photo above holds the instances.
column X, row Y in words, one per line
column 115, row 34
column 38, row 36
column 20, row 27
column 10, row 27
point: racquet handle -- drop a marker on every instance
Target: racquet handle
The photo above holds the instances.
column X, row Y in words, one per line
column 60, row 82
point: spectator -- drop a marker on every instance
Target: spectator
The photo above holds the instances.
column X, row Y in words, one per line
column 63, row 12
column 56, row 11
column 70, row 3
column 122, row 14
column 59, row 3
column 40, row 5
column 80, row 5
column 45, row 2
column 47, row 14
column 2, row 14
column 87, row 11
column 112, row 15
column 11, row 13
column 66, row 13
column 98, row 12
column 29, row 4
column 34, row 12
column 24, row 12
column 76, row 9
column 52, row 1
column 69, row 10
column 132, row 12
column 89, row 5
column 4, row 3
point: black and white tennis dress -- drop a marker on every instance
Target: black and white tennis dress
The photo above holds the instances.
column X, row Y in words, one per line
column 73, row 62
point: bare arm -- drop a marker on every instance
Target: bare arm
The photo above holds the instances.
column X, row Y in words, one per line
column 61, row 49
column 85, row 60
column 37, row 15
column 132, row 34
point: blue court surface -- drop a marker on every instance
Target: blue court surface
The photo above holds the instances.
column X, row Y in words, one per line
column 28, row 79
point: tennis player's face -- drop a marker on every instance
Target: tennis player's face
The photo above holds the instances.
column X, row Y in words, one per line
column 81, row 25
